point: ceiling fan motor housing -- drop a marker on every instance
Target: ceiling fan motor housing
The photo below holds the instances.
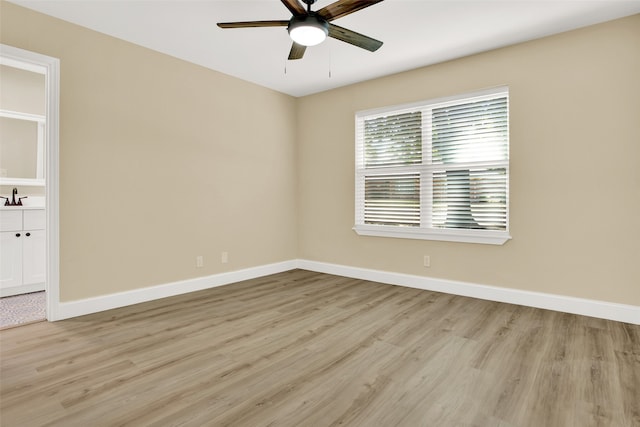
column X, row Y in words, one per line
column 308, row 30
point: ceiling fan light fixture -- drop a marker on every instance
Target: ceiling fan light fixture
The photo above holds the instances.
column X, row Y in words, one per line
column 308, row 30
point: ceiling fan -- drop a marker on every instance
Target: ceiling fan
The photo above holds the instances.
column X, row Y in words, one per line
column 309, row 28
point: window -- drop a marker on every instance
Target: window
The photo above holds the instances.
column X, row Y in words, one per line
column 436, row 170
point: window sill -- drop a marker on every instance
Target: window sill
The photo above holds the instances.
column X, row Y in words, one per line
column 464, row 236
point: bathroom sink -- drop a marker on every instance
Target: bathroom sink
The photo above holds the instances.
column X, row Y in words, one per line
column 32, row 202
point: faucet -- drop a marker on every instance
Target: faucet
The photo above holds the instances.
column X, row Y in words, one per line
column 13, row 199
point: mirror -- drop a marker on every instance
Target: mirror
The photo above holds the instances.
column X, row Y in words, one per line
column 22, row 124
column 21, row 147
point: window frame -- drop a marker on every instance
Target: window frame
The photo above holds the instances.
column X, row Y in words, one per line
column 424, row 232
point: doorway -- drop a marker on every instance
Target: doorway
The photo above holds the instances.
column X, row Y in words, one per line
column 29, row 178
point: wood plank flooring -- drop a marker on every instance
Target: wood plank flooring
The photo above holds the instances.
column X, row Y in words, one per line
column 310, row 349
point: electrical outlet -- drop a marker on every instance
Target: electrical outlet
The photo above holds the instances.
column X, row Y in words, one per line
column 224, row 258
column 199, row 261
column 427, row 261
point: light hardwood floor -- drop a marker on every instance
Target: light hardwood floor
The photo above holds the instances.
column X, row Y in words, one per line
column 309, row 349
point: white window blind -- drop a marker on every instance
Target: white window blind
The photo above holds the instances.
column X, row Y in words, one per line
column 435, row 170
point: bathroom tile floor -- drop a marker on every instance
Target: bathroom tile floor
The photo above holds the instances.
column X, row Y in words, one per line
column 22, row 309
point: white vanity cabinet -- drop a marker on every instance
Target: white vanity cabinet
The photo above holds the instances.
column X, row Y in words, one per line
column 22, row 251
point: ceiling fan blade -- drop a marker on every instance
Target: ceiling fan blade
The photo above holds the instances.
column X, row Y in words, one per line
column 354, row 38
column 344, row 7
column 297, row 51
column 248, row 24
column 294, row 7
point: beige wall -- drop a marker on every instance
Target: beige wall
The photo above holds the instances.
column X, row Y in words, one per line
column 575, row 167
column 160, row 161
column 23, row 190
column 22, row 91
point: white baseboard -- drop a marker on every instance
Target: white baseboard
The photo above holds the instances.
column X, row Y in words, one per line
column 585, row 307
column 121, row 299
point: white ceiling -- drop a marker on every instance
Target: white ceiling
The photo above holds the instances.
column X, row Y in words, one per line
column 415, row 33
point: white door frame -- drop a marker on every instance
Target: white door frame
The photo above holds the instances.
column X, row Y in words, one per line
column 50, row 67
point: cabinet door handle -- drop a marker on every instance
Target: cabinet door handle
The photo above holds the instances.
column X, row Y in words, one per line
column 28, row 234
column 17, row 234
